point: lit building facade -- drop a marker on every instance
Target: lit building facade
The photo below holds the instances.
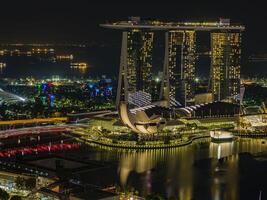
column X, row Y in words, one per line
column 188, row 68
column 139, row 60
column 175, row 43
column 225, row 65
column 182, row 59
column 179, row 68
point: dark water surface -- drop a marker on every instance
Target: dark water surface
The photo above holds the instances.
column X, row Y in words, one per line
column 200, row 171
column 203, row 170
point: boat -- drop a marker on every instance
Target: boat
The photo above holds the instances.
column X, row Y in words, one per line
column 221, row 136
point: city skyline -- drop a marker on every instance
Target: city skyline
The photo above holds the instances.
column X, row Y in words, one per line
column 179, row 79
column 137, row 100
column 78, row 22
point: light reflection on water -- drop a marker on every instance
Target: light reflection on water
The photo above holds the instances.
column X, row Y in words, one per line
column 173, row 172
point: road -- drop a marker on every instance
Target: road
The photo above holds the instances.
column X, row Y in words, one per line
column 34, row 121
column 36, row 130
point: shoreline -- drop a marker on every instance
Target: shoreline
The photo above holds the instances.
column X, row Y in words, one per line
column 147, row 147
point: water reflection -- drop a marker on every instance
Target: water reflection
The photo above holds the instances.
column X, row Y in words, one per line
column 138, row 162
column 176, row 163
column 210, row 170
column 80, row 67
column 2, row 67
column 220, row 150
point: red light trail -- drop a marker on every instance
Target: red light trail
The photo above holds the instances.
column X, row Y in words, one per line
column 39, row 149
column 34, row 131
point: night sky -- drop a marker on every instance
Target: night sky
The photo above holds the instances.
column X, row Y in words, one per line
column 78, row 21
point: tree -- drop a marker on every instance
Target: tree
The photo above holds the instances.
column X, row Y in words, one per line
column 16, row 198
column 30, row 183
column 191, row 126
column 23, row 183
column 20, row 183
column 3, row 195
column 154, row 197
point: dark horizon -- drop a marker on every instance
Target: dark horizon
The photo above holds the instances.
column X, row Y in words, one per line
column 78, row 21
column 66, row 22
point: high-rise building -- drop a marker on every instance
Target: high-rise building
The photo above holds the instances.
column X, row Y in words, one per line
column 225, row 65
column 175, row 43
column 139, row 60
column 188, row 73
column 136, row 63
column 179, row 73
column 182, row 58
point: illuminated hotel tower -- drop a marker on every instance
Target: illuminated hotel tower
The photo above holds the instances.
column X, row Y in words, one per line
column 139, row 57
column 225, row 65
column 182, row 58
column 136, row 63
column 178, row 81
